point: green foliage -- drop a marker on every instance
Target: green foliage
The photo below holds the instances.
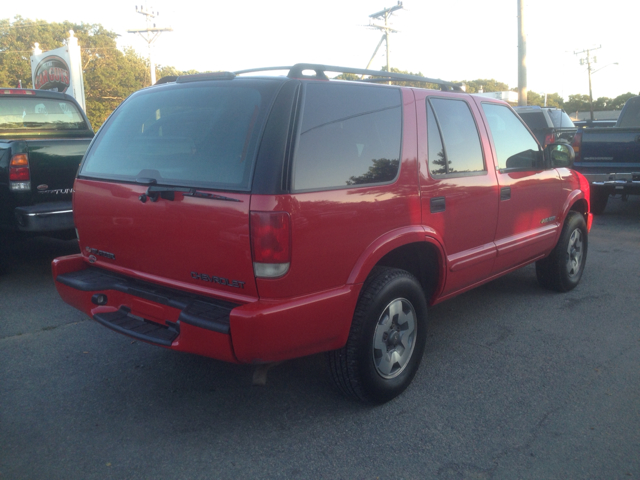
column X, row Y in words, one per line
column 553, row 99
column 487, row 85
column 109, row 74
column 618, row 102
column 577, row 103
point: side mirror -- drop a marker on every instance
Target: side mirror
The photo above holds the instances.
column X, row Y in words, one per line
column 560, row 155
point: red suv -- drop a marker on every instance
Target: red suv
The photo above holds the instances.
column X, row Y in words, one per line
column 254, row 219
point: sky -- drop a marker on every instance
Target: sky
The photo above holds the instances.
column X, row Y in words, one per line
column 454, row 41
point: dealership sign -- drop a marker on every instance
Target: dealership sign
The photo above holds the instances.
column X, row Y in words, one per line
column 59, row 70
column 52, row 73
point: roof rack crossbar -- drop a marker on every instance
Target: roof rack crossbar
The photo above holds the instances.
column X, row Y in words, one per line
column 296, row 71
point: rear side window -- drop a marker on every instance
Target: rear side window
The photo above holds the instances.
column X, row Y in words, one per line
column 535, row 120
column 515, row 147
column 454, row 144
column 33, row 113
column 194, row 135
column 349, row 135
column 560, row 119
column 630, row 114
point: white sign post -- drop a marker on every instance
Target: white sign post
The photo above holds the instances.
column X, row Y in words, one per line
column 59, row 70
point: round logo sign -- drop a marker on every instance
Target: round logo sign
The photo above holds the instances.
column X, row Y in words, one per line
column 52, row 73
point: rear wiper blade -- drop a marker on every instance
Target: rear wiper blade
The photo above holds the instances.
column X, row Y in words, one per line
column 168, row 193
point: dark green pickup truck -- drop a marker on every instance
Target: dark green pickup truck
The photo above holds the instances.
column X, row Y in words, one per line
column 43, row 137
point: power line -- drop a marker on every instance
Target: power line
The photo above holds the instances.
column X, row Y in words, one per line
column 588, row 61
column 383, row 14
column 151, row 33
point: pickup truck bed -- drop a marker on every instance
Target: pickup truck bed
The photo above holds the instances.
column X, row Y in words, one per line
column 610, row 157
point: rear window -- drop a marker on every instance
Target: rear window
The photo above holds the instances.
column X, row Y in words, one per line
column 630, row 114
column 534, row 120
column 33, row 113
column 560, row 119
column 194, row 135
column 349, row 135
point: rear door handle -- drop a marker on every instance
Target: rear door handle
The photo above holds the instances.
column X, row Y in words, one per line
column 505, row 193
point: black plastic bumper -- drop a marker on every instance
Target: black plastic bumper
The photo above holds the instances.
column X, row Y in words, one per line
column 203, row 312
column 45, row 217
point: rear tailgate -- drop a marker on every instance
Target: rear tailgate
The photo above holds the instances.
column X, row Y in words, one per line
column 199, row 244
column 53, row 164
column 197, row 143
column 609, row 150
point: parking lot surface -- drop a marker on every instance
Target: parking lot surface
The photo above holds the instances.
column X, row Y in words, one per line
column 516, row 382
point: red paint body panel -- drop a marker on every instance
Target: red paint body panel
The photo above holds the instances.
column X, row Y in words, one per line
column 471, row 206
column 272, row 330
column 200, row 235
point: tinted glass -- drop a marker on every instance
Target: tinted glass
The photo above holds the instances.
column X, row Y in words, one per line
column 535, row 120
column 631, row 114
column 560, row 119
column 199, row 134
column 437, row 160
column 349, row 135
column 32, row 113
column 515, row 147
column 459, row 134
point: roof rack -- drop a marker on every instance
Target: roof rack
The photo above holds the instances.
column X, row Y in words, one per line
column 296, row 71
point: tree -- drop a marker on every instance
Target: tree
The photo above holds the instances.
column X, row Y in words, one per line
column 553, row 99
column 618, row 102
column 382, row 170
column 486, row 85
column 577, row 103
column 109, row 74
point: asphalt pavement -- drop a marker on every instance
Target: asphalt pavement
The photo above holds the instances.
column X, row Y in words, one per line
column 516, row 383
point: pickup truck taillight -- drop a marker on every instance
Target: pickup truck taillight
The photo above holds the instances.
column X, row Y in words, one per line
column 549, row 139
column 577, row 141
column 270, row 243
column 19, row 174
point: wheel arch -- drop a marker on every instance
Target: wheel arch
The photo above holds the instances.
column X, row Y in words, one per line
column 576, row 202
column 412, row 249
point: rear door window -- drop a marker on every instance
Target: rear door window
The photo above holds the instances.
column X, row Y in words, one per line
column 349, row 135
column 195, row 135
column 454, row 144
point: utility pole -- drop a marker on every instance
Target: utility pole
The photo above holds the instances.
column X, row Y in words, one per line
column 522, row 57
column 150, row 34
column 383, row 14
column 588, row 61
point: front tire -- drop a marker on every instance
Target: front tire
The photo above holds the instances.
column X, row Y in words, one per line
column 562, row 269
column 386, row 341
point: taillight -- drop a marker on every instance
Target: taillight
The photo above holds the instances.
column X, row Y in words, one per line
column 576, row 143
column 19, row 174
column 270, row 243
column 549, row 139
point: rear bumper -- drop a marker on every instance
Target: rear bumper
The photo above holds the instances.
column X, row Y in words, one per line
column 258, row 332
column 615, row 182
column 45, row 217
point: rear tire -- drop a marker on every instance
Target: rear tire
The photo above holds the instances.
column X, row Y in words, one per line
column 599, row 199
column 562, row 269
column 386, row 341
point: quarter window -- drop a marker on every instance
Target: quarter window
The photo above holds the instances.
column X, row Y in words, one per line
column 350, row 135
column 454, row 144
column 515, row 147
